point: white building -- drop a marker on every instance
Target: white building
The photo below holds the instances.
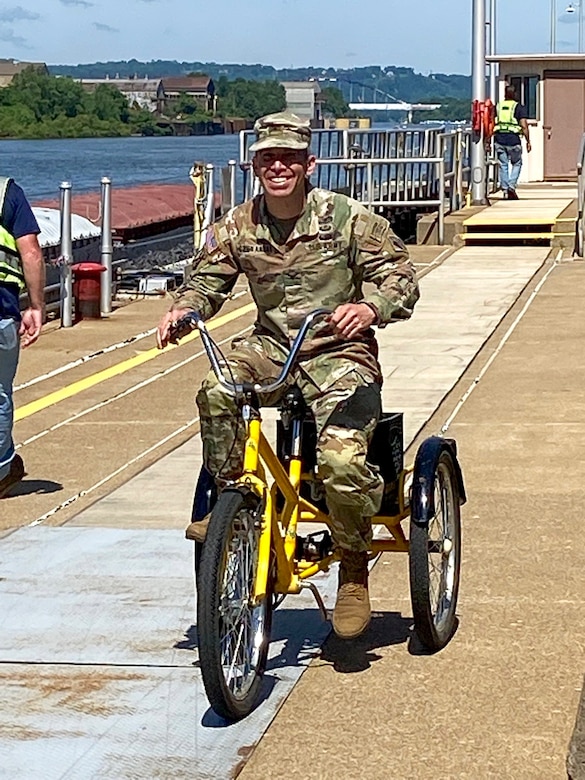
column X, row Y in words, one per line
column 552, row 87
column 144, row 93
column 303, row 98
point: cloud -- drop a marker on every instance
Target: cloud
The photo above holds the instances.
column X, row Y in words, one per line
column 16, row 14
column 8, row 36
column 105, row 28
column 82, row 3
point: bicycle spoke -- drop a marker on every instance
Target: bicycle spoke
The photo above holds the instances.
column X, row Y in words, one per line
column 242, row 623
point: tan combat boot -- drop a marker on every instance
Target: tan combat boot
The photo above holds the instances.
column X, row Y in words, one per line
column 197, row 531
column 351, row 615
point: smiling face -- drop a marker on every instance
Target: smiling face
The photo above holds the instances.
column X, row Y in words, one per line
column 282, row 172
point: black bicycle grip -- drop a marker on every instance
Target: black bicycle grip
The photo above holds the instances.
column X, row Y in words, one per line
column 183, row 327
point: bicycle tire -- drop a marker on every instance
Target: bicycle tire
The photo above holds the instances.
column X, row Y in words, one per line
column 225, row 613
column 435, row 554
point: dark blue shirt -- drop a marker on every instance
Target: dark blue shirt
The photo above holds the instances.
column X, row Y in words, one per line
column 512, row 139
column 18, row 219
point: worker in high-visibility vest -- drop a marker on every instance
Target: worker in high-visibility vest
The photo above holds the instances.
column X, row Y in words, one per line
column 22, row 269
column 511, row 125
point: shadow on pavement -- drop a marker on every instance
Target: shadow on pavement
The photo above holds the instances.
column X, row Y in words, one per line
column 416, row 647
column 211, row 720
column 190, row 641
column 28, row 486
column 356, row 655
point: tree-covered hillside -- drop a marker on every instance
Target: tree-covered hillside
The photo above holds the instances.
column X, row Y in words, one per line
column 355, row 83
column 37, row 105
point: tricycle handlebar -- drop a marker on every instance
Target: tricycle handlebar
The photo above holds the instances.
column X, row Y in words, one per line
column 193, row 320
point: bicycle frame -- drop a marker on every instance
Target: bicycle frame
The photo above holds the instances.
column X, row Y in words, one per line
column 278, row 535
column 279, row 527
column 252, row 555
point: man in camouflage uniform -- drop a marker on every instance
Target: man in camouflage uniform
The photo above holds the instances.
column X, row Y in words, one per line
column 303, row 248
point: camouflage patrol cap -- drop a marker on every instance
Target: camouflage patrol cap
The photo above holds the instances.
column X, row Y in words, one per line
column 281, row 131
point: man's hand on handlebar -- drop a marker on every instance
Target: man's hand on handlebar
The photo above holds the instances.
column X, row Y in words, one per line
column 349, row 319
column 163, row 333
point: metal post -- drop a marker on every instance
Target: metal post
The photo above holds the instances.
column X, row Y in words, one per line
column 459, row 158
column 66, row 257
column 346, row 145
column 370, row 184
column 553, row 25
column 580, row 26
column 242, row 139
column 478, row 166
column 441, row 226
column 232, row 167
column 106, row 246
column 493, row 67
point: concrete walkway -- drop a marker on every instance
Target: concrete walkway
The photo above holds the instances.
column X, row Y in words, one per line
column 98, row 643
column 500, row 700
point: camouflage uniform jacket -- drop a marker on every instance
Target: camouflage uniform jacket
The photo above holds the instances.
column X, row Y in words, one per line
column 336, row 246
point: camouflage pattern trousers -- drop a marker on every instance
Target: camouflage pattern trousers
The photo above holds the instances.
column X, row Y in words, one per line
column 345, row 398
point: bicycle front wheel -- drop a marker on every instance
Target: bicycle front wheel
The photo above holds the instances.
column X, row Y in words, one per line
column 234, row 629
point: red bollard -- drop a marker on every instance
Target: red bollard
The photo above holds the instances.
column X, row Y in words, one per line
column 86, row 290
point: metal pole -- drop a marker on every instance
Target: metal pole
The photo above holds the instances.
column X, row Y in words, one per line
column 232, row 167
column 493, row 67
column 441, row 226
column 458, row 157
column 553, row 25
column 580, row 26
column 66, row 257
column 478, row 162
column 107, row 251
column 243, row 155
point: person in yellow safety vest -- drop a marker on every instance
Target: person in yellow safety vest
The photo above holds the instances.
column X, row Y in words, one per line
column 22, row 268
column 511, row 125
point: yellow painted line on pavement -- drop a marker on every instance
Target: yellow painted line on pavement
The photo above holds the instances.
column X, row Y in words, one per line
column 102, row 376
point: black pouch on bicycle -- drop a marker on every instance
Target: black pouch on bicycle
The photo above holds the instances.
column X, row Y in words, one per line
column 386, row 451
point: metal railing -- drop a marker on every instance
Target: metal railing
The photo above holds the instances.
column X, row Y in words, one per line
column 389, row 168
column 579, row 237
column 61, row 268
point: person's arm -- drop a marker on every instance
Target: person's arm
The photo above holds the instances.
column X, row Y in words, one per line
column 33, row 265
column 382, row 259
column 209, row 284
column 526, row 132
column 522, row 118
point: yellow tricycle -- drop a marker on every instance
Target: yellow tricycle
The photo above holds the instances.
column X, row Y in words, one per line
column 254, row 554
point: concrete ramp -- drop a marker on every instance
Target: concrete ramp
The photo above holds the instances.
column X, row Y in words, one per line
column 98, row 659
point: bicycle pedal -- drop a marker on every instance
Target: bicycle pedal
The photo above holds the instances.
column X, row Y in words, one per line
column 314, row 547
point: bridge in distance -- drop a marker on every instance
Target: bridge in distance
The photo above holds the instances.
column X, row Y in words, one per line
column 397, row 106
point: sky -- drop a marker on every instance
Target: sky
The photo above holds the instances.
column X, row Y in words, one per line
column 427, row 35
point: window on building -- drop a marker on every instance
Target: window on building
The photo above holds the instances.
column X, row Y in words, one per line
column 526, row 93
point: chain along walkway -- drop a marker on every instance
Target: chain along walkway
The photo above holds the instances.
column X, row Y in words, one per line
column 98, row 643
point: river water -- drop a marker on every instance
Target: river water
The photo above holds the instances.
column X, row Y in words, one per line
column 40, row 166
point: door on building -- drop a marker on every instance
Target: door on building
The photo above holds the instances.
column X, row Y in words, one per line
column 564, row 122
